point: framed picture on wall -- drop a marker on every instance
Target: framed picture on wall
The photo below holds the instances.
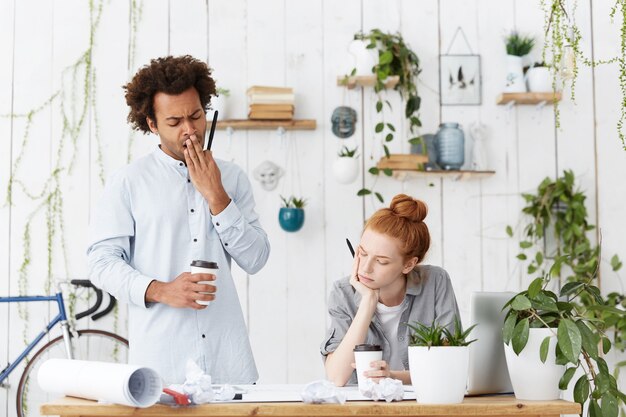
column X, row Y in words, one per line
column 459, row 80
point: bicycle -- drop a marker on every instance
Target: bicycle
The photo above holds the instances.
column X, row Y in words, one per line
column 86, row 344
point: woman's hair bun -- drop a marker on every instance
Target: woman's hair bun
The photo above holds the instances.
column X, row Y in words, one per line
column 408, row 207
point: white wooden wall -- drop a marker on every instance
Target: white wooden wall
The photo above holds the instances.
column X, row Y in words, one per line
column 303, row 44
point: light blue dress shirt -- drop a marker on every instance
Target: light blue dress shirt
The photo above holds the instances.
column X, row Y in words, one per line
column 150, row 223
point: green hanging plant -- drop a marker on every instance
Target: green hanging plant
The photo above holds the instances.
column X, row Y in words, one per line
column 395, row 57
column 562, row 41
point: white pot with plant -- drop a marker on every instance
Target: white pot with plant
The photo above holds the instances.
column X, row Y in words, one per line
column 219, row 103
column 439, row 363
column 538, row 78
column 517, row 47
column 346, row 166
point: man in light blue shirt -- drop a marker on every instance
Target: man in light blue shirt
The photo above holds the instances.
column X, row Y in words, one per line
column 166, row 209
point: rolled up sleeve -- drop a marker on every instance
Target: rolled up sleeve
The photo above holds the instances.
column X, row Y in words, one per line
column 240, row 231
column 340, row 320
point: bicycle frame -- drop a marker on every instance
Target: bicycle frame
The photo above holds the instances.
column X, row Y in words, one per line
column 59, row 318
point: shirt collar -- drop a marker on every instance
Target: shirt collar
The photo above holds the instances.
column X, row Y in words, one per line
column 169, row 161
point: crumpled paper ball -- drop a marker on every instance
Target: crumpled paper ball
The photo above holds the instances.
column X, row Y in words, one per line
column 199, row 388
column 322, row 392
column 387, row 389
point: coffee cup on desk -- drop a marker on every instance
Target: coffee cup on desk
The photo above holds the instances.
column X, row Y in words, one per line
column 204, row 267
column 364, row 355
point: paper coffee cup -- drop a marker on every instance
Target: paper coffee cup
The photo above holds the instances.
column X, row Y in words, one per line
column 204, row 267
column 363, row 356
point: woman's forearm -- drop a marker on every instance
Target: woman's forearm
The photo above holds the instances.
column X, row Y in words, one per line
column 339, row 363
column 404, row 376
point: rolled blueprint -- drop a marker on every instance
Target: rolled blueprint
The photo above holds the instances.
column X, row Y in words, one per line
column 102, row 381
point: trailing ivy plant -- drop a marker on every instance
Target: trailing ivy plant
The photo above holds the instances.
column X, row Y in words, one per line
column 395, row 57
column 562, row 41
column 578, row 337
column 557, row 213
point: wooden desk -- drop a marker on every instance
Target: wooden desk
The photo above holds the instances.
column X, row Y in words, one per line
column 499, row 406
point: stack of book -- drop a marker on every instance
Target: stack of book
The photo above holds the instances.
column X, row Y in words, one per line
column 270, row 103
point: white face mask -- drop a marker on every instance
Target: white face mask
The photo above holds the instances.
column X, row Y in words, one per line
column 268, row 174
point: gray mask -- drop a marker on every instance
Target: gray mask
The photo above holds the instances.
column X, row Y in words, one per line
column 344, row 121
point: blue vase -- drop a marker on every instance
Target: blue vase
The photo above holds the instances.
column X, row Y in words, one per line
column 450, row 146
column 291, row 219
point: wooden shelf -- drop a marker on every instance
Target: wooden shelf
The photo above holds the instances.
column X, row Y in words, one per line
column 528, row 98
column 366, row 81
column 247, row 124
column 405, row 174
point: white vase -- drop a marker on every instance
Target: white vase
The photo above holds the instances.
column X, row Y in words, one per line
column 514, row 75
column 539, row 79
column 346, row 169
column 364, row 59
column 531, row 378
column 439, row 374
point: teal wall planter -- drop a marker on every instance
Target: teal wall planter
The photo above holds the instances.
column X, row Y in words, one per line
column 291, row 219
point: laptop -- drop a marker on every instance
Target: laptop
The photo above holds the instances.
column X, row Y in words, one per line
column 488, row 373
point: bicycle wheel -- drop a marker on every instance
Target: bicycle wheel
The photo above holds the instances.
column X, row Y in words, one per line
column 93, row 345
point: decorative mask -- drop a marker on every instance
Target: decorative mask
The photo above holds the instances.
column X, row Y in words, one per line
column 268, row 174
column 344, row 121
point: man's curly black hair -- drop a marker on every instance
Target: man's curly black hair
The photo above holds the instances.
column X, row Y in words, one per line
column 169, row 75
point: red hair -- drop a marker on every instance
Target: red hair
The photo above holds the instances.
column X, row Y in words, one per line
column 404, row 220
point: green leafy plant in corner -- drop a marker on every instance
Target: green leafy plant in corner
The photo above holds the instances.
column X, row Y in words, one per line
column 346, row 152
column 578, row 337
column 293, row 202
column 557, row 213
column 436, row 335
column 519, row 45
column 395, row 57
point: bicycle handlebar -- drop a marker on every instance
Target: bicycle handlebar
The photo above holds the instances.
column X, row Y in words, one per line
column 88, row 284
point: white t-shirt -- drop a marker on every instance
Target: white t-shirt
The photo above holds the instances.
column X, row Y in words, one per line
column 390, row 319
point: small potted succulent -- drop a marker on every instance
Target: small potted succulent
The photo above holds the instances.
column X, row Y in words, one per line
column 218, row 102
column 346, row 166
column 291, row 214
column 517, row 46
column 439, row 362
column 538, row 78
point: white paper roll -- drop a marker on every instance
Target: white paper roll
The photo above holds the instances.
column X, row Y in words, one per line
column 102, row 381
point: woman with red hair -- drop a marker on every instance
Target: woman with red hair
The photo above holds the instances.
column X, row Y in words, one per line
column 388, row 288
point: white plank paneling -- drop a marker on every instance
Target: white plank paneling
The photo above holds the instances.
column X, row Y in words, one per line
column 268, row 305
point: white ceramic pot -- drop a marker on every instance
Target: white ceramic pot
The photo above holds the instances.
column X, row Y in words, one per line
column 364, row 59
column 439, row 374
column 218, row 103
column 539, row 79
column 514, row 75
column 532, row 379
column 346, row 169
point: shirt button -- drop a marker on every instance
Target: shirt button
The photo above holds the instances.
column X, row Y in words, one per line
column 181, row 164
column 195, row 240
column 225, row 244
column 217, row 224
column 203, row 336
column 401, row 338
column 188, row 180
column 192, row 210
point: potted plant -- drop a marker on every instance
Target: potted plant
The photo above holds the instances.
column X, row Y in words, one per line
column 439, row 362
column 547, row 339
column 346, row 166
column 538, row 78
column 561, row 333
column 395, row 57
column 517, row 46
column 291, row 214
column 218, row 102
